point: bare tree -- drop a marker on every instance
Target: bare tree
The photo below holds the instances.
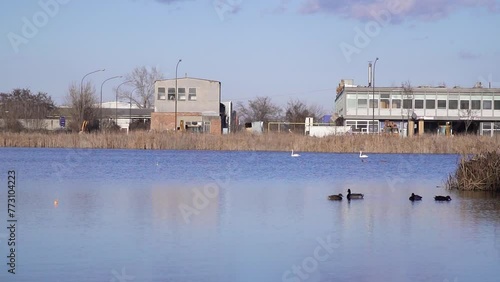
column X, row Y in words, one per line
column 297, row 111
column 259, row 109
column 142, row 81
column 468, row 116
column 408, row 97
column 82, row 105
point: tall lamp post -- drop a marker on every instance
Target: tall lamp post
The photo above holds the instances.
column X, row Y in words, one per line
column 116, row 100
column 100, row 105
column 175, row 118
column 373, row 96
column 81, row 91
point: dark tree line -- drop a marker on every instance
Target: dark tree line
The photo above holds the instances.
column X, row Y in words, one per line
column 22, row 104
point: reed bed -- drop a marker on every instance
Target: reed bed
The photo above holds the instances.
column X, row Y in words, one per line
column 427, row 144
column 477, row 173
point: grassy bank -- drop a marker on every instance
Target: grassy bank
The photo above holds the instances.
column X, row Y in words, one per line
column 265, row 142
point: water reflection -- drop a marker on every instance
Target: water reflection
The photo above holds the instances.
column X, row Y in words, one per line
column 252, row 224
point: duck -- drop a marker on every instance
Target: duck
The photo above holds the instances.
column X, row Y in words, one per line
column 295, row 154
column 442, row 198
column 353, row 195
column 414, row 197
column 335, row 197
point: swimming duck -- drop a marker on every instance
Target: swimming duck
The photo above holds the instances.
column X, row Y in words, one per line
column 442, row 198
column 335, row 197
column 353, row 195
column 414, row 197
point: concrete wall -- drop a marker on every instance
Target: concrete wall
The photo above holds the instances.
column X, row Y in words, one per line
column 322, row 131
column 207, row 95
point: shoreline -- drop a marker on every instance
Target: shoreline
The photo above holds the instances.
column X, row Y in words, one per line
column 278, row 142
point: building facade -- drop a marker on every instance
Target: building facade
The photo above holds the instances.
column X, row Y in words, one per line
column 419, row 110
column 196, row 109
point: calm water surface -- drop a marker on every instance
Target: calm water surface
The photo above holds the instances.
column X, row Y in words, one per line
column 127, row 215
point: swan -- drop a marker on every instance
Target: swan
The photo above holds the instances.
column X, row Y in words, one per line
column 353, row 195
column 361, row 156
column 295, row 154
column 414, row 197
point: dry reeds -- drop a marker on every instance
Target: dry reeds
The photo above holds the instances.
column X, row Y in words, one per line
column 253, row 142
column 479, row 173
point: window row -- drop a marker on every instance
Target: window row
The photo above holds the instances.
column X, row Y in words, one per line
column 181, row 94
column 424, row 104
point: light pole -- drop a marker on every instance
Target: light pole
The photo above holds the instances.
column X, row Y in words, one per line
column 81, row 91
column 373, row 96
column 100, row 105
column 116, row 100
column 175, row 119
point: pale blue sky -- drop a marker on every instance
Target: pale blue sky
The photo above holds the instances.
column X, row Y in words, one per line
column 278, row 48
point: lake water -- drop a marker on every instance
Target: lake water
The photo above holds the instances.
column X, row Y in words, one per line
column 130, row 215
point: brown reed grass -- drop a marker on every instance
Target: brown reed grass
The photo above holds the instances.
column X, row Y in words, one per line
column 476, row 173
column 427, row 144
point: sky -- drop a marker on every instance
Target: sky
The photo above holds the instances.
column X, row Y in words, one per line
column 283, row 49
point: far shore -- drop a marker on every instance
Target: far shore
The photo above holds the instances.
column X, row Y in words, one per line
column 425, row 144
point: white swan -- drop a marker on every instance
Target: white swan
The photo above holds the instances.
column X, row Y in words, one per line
column 295, row 154
column 361, row 156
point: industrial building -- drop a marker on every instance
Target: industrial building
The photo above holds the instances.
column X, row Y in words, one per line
column 419, row 109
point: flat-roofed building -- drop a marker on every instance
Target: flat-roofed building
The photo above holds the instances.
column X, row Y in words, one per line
column 198, row 106
column 422, row 108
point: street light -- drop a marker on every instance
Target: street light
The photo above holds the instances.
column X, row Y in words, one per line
column 100, row 105
column 116, row 100
column 373, row 95
column 81, row 90
column 175, row 122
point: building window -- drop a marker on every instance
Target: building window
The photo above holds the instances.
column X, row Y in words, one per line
column 351, row 103
column 487, row 105
column 419, row 104
column 430, row 104
column 182, row 94
column 496, row 105
column 396, row 104
column 442, row 104
column 171, row 94
column 372, row 102
column 475, row 104
column 453, row 104
column 192, row 94
column 407, row 103
column 161, row 93
column 384, row 101
column 362, row 103
column 464, row 104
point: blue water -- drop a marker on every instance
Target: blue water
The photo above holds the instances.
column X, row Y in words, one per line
column 130, row 215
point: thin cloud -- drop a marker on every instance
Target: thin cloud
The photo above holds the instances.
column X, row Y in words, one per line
column 398, row 10
column 464, row 55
